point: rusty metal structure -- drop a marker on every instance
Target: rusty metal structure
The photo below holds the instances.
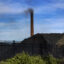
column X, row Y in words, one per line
column 32, row 22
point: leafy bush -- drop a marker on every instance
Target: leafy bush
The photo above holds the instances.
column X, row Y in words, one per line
column 26, row 59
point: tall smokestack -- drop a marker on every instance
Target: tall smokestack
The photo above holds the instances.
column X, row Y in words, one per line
column 32, row 25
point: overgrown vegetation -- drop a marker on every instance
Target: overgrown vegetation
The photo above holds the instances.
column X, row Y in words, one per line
column 26, row 59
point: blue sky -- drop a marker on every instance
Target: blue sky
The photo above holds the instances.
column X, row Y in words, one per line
column 15, row 22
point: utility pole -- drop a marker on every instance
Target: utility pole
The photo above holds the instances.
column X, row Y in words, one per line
column 31, row 22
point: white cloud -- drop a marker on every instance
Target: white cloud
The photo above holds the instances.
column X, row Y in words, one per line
column 15, row 31
column 19, row 8
column 56, row 25
column 12, row 8
column 51, row 7
column 18, row 34
column 50, row 25
column 18, row 23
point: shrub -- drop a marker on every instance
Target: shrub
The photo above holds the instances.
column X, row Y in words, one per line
column 26, row 59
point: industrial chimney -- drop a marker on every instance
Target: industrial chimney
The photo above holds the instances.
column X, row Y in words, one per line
column 31, row 24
